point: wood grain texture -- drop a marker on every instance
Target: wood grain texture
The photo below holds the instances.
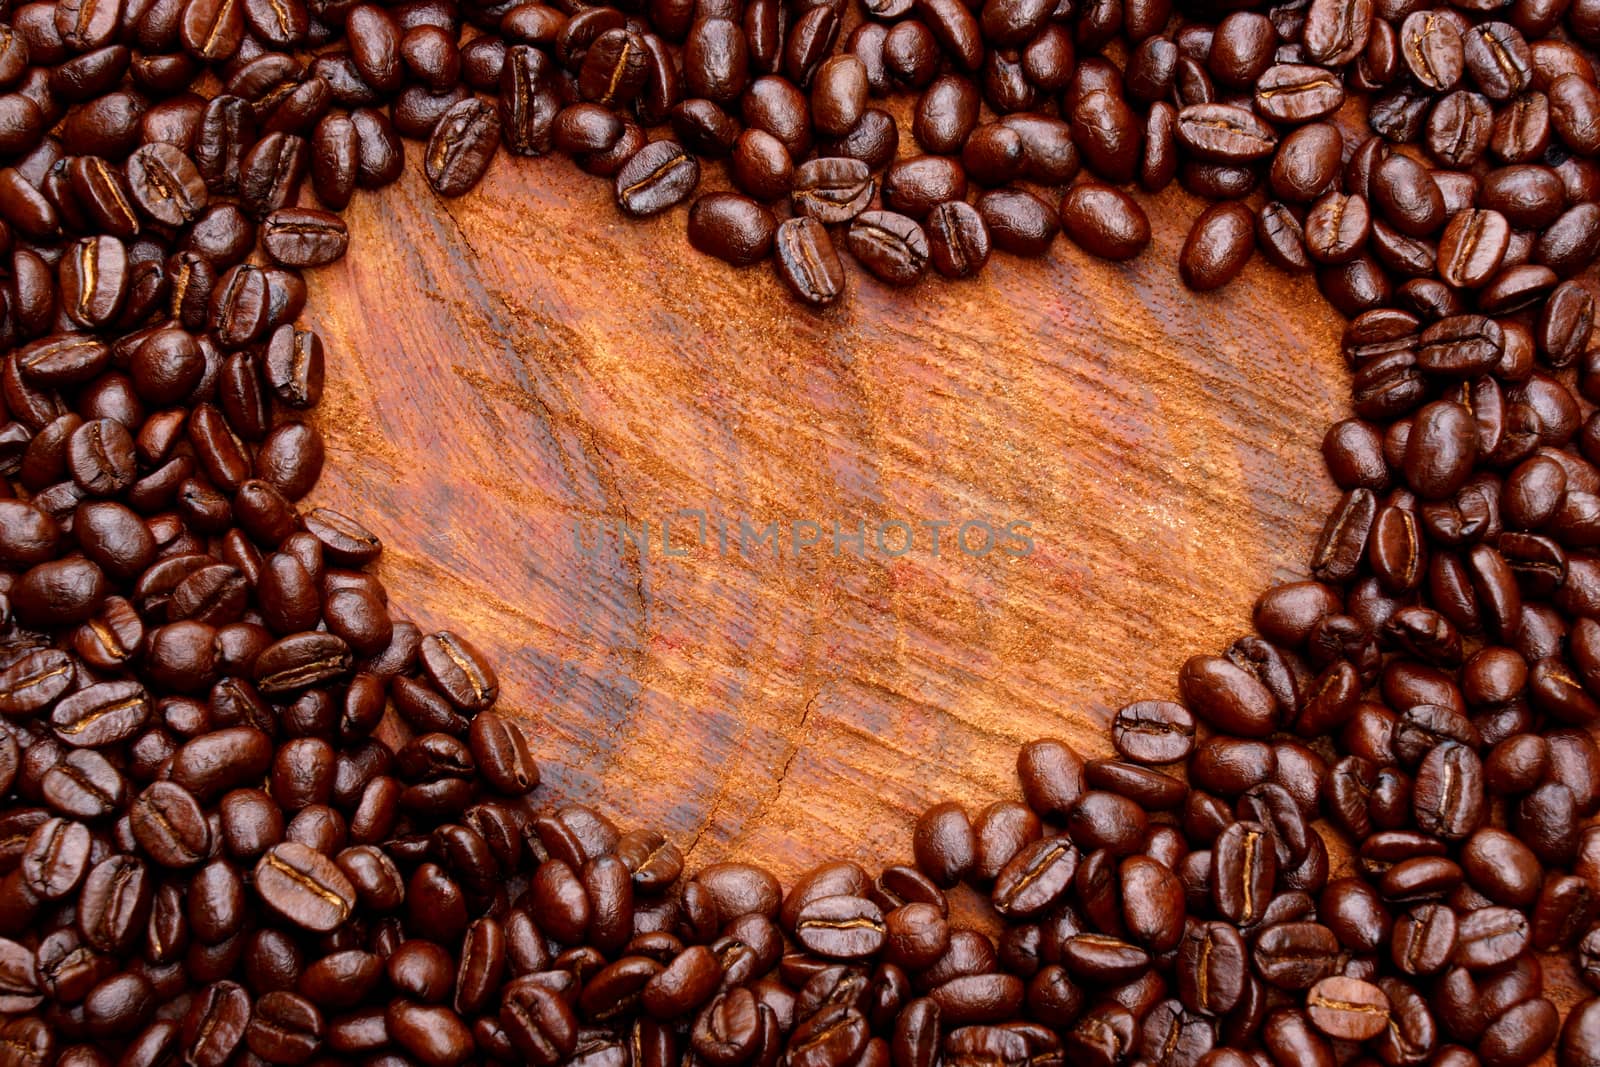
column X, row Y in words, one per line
column 508, row 364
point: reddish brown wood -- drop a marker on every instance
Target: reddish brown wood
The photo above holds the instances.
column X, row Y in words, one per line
column 510, row 362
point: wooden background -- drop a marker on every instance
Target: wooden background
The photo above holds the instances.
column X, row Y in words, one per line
column 509, row 364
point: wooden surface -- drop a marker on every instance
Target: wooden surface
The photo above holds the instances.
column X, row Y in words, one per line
column 504, row 365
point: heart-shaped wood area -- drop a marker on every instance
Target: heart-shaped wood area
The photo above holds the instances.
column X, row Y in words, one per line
column 523, row 362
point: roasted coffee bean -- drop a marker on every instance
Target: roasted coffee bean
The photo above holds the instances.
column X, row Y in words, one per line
column 1295, row 955
column 1213, row 968
column 461, row 147
column 1348, row 1009
column 731, row 227
column 1219, row 245
column 1472, row 248
column 1490, row 937
column 1018, row 221
column 1425, row 940
column 659, row 176
column 304, row 886
column 1224, row 134
column 1449, row 795
column 1104, row 221
column 841, row 927
column 891, row 246
column 807, row 262
column 165, row 184
column 832, row 189
column 917, row 185
column 958, row 239
column 301, row 237
column 1497, row 59
column 1154, row 731
column 1244, row 872
column 55, row 858
column 169, row 824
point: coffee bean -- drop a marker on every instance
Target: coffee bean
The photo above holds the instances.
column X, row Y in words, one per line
column 891, row 246
column 165, row 184
column 1106, row 130
column 1448, row 792
column 304, row 886
column 807, row 262
column 1213, row 968
column 839, row 95
column 832, row 189
column 1218, row 246
column 1348, row 1009
column 1224, row 134
column 1472, row 248
column 1018, row 221
column 55, row 858
column 731, row 227
column 1104, row 221
column 1337, row 30
column 1245, row 871
column 841, row 927
column 1153, row 731
column 461, row 147
column 659, row 176
column 1425, row 940
column 1497, row 59
column 170, row 826
column 1490, row 937
column 917, row 185
column 301, row 237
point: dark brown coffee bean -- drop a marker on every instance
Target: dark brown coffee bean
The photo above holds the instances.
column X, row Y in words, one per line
column 659, row 176
column 841, row 927
column 1336, row 31
column 169, row 824
column 946, row 115
column 301, row 237
column 1218, row 246
column 55, row 858
column 891, row 246
column 1348, row 1009
column 1425, row 940
column 839, row 95
column 1213, row 968
column 1245, row 871
column 1472, row 248
column 1490, row 937
column 1431, row 48
column 1104, row 221
column 1497, row 59
column 1154, row 731
column 1336, row 228
column 731, row 227
column 916, row 186
column 461, row 147
column 165, row 184
column 807, row 262
column 832, row 189
column 1295, row 955
column 304, row 886
column 614, row 68
column 1224, row 134
column 1152, row 903
column 958, row 239
column 1018, row 221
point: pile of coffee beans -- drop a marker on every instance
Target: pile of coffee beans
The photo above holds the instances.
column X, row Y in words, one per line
column 252, row 817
